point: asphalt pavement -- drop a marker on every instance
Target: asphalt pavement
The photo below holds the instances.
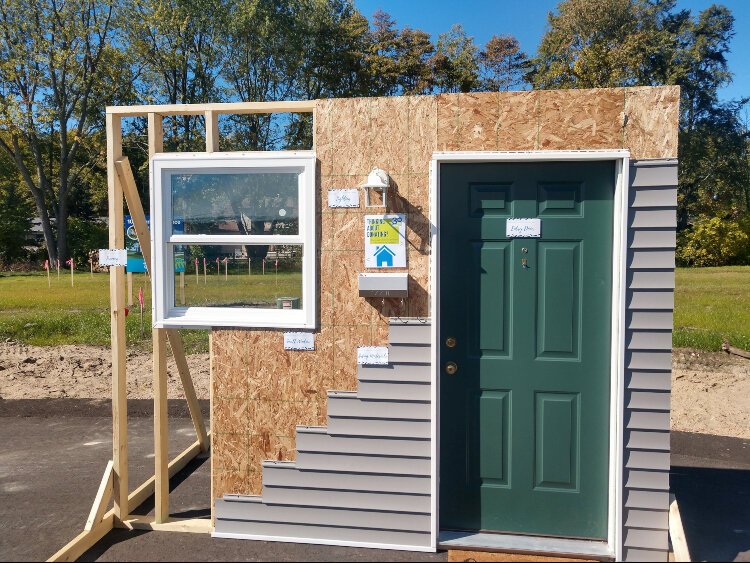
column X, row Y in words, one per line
column 54, row 452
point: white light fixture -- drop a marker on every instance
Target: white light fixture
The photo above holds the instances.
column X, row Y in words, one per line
column 377, row 180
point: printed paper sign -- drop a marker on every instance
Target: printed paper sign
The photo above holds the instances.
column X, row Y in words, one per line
column 299, row 341
column 343, row 198
column 385, row 241
column 372, row 355
column 136, row 263
column 113, row 257
column 523, row 228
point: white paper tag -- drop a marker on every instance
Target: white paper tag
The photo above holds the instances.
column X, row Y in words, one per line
column 523, row 228
column 343, row 198
column 113, row 257
column 372, row 355
column 299, row 341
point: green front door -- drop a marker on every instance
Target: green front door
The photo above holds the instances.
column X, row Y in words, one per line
column 524, row 420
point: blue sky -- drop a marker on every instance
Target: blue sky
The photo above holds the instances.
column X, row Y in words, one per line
column 527, row 20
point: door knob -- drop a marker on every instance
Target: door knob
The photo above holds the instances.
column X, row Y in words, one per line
column 451, row 368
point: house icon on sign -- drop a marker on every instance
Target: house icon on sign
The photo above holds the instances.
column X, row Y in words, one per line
column 384, row 256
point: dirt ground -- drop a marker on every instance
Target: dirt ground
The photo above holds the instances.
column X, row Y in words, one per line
column 711, row 390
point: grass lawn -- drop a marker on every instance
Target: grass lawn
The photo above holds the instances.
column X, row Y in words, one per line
column 711, row 304
column 34, row 313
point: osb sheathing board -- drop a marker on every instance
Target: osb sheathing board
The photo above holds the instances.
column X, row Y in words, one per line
column 261, row 392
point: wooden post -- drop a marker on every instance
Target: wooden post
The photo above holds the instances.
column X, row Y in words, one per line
column 161, row 428
column 212, row 131
column 130, row 289
column 117, row 321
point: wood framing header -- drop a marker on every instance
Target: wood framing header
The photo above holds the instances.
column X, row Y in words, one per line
column 234, row 108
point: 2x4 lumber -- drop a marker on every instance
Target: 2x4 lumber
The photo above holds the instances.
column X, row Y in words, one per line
column 142, row 493
column 86, row 539
column 125, row 173
column 117, row 321
column 677, row 532
column 103, row 495
column 178, row 352
column 190, row 525
column 161, row 428
column 234, row 108
column 212, row 131
column 155, row 134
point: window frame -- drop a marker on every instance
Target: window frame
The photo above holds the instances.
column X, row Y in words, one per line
column 166, row 314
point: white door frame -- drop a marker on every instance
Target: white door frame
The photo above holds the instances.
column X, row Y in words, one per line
column 619, row 267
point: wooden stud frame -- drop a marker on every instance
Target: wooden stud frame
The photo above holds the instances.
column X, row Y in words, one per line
column 114, row 485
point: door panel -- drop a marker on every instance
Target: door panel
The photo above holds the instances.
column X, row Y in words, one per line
column 494, row 407
column 491, row 260
column 558, row 301
column 556, row 441
column 524, row 423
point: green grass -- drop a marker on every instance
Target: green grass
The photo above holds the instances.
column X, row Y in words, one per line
column 711, row 305
column 37, row 314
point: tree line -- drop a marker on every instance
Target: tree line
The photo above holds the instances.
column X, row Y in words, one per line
column 63, row 61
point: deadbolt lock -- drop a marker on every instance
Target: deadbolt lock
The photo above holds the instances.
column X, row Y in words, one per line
column 451, row 368
column 450, row 342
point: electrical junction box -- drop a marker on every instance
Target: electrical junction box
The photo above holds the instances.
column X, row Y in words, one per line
column 384, row 285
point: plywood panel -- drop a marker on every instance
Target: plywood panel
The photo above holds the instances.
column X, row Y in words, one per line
column 261, row 391
column 350, row 134
column 581, row 119
column 422, row 132
column 389, row 134
column 652, row 121
column 478, row 122
column 448, row 122
column 518, row 121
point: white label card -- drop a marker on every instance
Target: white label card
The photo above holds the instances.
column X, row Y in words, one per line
column 113, row 257
column 372, row 355
column 523, row 228
column 343, row 198
column 299, row 341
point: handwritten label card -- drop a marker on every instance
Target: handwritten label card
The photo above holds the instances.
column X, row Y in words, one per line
column 113, row 257
column 523, row 228
column 343, row 198
column 299, row 341
column 372, row 355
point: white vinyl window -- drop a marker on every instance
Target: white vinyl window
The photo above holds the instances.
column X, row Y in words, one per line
column 233, row 239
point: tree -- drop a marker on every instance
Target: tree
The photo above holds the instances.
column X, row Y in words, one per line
column 413, row 52
column 178, row 46
column 16, row 212
column 604, row 43
column 504, row 64
column 58, row 69
column 263, row 61
column 382, row 60
column 455, row 63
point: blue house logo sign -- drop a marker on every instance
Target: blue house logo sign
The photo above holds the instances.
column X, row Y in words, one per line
column 384, row 256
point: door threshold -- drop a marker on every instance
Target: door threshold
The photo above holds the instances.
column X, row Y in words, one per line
column 530, row 545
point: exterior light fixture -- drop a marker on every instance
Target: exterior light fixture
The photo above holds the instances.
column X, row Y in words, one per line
column 378, row 181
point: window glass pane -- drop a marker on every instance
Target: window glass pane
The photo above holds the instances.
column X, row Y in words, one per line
column 251, row 276
column 248, row 203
